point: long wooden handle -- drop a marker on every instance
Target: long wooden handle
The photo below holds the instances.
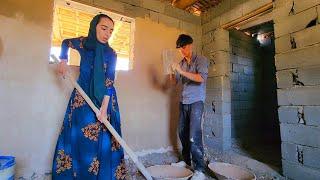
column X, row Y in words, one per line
column 131, row 154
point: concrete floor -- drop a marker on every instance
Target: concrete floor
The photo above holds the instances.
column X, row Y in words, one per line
column 236, row 156
column 262, row 171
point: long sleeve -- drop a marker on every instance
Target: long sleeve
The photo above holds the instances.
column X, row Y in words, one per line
column 112, row 66
column 202, row 68
column 73, row 43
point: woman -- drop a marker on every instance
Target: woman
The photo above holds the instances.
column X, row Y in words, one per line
column 85, row 148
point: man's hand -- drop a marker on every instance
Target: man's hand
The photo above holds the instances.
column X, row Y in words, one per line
column 176, row 67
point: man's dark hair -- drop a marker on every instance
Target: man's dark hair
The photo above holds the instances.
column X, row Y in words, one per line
column 183, row 40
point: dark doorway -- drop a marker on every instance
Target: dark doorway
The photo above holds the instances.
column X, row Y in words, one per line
column 255, row 123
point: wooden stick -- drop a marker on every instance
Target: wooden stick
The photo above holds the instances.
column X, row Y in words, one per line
column 114, row 133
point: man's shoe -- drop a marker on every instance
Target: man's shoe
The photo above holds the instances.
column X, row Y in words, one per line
column 198, row 175
column 179, row 164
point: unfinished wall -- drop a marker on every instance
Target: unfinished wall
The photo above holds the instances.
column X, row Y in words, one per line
column 217, row 117
column 215, row 46
column 298, row 74
column 33, row 99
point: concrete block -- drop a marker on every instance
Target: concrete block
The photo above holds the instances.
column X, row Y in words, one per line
column 226, row 134
column 283, row 10
column 245, row 61
column 299, row 58
column 220, row 57
column 295, row 23
column 303, row 38
column 283, row 44
column 308, row 76
column 222, row 108
column 289, row 152
column 312, row 115
column 171, row 11
column 221, row 34
column 243, row 78
column 297, row 171
column 168, row 21
column 288, row 114
column 311, row 157
column 219, row 68
column 252, row 5
column 300, row 134
column 234, row 77
column 214, row 83
column 135, row 11
column 248, row 70
column 318, row 10
column 205, row 17
column 110, row 5
column 85, row 1
column 211, row 25
column 221, row 8
column 215, row 46
column 207, row 38
column 153, row 5
column 132, row 2
column 285, row 78
column 279, row 3
column 237, row 68
column 234, row 59
column 244, row 52
column 231, row 15
column 213, row 95
column 190, row 28
column 299, row 96
column 154, row 16
column 235, row 3
column 235, row 96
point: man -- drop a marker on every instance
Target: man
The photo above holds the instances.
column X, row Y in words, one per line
column 192, row 72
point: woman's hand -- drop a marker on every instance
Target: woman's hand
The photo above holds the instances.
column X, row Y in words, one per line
column 103, row 109
column 62, row 68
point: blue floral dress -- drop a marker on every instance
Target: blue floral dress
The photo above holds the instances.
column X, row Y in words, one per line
column 85, row 148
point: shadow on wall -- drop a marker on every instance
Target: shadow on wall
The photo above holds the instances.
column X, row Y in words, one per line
column 174, row 95
column 1, row 47
column 174, row 99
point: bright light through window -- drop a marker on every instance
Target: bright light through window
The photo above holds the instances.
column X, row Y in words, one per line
column 55, row 51
column 122, row 64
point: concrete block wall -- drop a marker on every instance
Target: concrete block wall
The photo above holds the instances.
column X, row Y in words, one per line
column 245, row 75
column 215, row 46
column 297, row 32
column 217, row 118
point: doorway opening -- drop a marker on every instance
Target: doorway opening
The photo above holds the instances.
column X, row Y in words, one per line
column 254, row 105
